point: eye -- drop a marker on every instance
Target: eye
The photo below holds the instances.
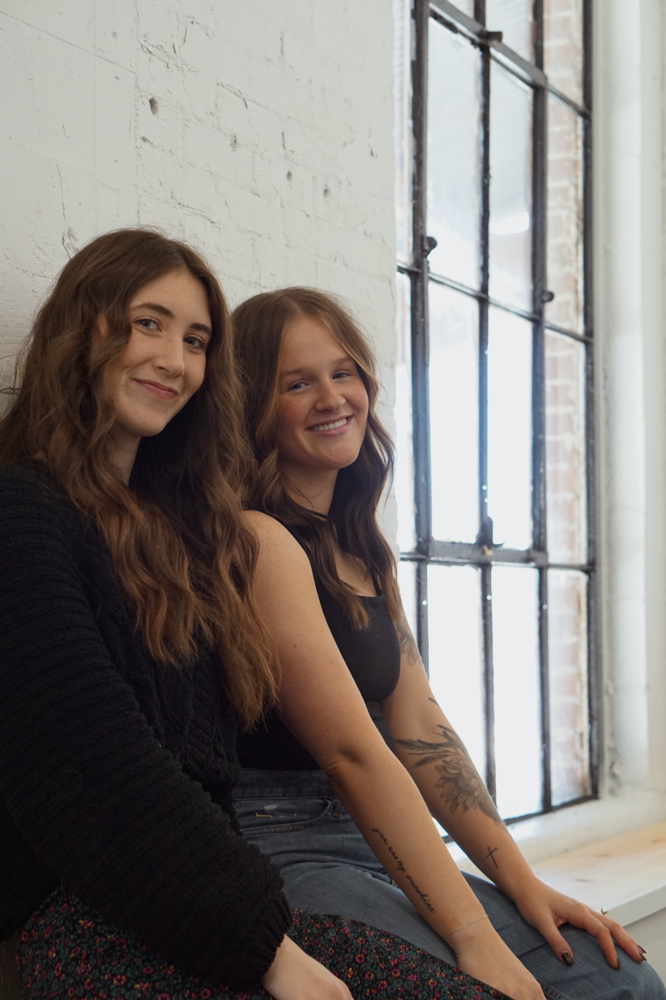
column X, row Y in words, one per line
column 197, row 342
column 296, row 385
column 344, row 374
column 147, row 323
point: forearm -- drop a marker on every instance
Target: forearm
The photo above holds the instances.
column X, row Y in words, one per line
column 458, row 799
column 399, row 829
column 487, row 842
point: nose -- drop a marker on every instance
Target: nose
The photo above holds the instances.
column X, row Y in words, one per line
column 330, row 396
column 171, row 358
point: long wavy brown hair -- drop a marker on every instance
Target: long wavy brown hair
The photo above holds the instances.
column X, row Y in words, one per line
column 352, row 519
column 177, row 540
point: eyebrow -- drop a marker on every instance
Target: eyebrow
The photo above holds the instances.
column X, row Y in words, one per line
column 163, row 311
column 299, row 371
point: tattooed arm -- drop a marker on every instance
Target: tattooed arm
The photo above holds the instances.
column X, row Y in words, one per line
column 322, row 706
column 456, row 795
column 434, row 755
column 459, row 782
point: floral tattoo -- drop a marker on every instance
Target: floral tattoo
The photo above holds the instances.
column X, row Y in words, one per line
column 460, row 782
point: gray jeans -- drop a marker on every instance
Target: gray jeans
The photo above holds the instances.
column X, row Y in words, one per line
column 295, row 818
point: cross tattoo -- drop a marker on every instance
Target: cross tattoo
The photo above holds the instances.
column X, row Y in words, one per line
column 490, row 855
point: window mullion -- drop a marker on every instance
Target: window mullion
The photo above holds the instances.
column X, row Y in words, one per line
column 539, row 512
column 485, row 536
column 594, row 652
column 420, row 352
column 488, row 679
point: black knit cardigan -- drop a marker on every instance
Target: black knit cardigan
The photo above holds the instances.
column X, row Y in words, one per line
column 116, row 771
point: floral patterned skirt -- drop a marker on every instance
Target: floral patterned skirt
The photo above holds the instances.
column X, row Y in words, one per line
column 69, row 952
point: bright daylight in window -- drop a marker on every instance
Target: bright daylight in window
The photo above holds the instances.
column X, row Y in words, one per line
column 495, row 479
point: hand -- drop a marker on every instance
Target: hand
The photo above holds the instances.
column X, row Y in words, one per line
column 481, row 953
column 295, row 976
column 546, row 910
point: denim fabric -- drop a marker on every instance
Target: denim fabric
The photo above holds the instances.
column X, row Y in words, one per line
column 295, row 817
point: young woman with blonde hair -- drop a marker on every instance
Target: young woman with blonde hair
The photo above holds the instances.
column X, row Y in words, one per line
column 340, row 783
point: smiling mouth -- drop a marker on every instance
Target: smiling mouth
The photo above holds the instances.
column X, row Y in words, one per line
column 164, row 391
column 333, row 425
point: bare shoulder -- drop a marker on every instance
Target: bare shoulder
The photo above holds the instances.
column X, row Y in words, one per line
column 263, row 525
column 275, row 542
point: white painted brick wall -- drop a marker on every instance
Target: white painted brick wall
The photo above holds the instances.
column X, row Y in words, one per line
column 268, row 144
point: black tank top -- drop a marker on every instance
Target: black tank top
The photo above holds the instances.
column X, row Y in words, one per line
column 373, row 657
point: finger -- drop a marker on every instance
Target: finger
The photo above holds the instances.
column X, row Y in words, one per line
column 620, row 936
column 596, row 925
column 559, row 944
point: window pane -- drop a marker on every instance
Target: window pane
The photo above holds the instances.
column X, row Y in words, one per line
column 407, row 585
column 402, row 129
column 404, row 444
column 454, row 155
column 514, row 19
column 454, row 633
column 510, row 428
column 563, row 46
column 567, row 646
column 454, row 402
column 565, row 216
column 510, row 187
column 565, row 448
column 516, row 667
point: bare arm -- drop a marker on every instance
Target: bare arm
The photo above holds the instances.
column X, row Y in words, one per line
column 433, row 753
column 321, row 704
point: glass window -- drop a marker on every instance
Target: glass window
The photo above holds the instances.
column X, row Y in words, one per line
column 510, row 187
column 510, row 428
column 498, row 474
column 454, row 161
column 516, row 686
column 514, row 19
column 456, row 665
column 453, row 382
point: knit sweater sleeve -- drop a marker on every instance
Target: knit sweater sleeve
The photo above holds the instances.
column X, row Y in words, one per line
column 110, row 812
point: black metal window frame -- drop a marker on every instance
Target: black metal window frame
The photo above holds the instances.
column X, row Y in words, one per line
column 482, row 553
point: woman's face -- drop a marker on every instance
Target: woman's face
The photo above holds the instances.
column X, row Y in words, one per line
column 163, row 363
column 322, row 407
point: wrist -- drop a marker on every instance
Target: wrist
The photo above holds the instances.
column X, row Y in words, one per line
column 521, row 886
column 469, row 934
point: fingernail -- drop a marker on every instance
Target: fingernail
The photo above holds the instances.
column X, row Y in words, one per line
column 642, row 950
column 567, row 957
column 618, row 966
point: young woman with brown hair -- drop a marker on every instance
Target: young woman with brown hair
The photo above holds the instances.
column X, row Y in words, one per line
column 129, row 645
column 340, row 784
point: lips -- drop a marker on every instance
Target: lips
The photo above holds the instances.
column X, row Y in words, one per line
column 157, row 389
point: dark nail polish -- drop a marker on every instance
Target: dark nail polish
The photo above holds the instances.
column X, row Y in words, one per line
column 618, row 966
column 642, row 950
column 567, row 957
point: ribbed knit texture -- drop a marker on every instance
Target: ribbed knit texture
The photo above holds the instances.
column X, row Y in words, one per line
column 108, row 760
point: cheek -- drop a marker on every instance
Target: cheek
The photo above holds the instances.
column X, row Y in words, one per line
column 196, row 375
column 363, row 404
column 287, row 417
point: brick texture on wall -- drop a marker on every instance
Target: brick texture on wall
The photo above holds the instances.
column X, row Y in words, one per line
column 260, row 132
